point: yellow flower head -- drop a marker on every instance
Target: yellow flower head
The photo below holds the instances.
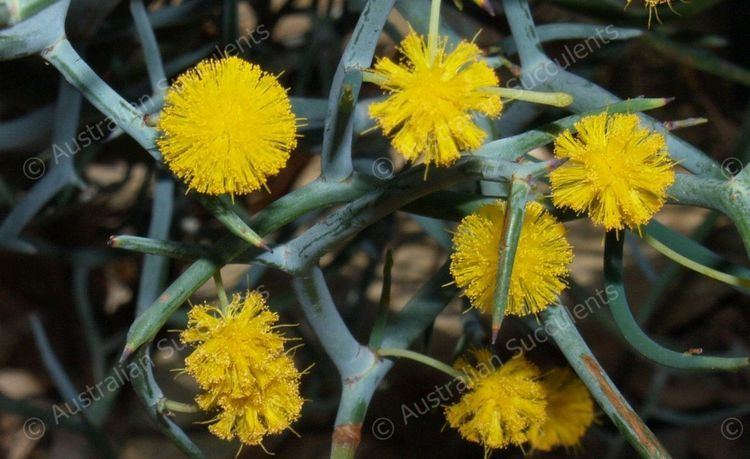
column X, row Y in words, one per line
column 226, row 127
column 617, row 171
column 432, row 95
column 570, row 412
column 539, row 267
column 264, row 411
column 240, row 363
column 502, row 404
column 233, row 346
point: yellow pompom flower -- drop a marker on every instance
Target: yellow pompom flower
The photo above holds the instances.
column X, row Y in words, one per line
column 268, row 409
column 432, row 95
column 501, row 405
column 617, row 171
column 233, row 345
column 240, row 362
column 570, row 412
column 539, row 268
column 226, row 127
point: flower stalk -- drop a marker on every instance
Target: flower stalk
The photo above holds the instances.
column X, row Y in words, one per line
column 554, row 99
column 433, row 35
column 421, row 358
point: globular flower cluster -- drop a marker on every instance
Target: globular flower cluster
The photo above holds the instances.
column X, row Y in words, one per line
column 569, row 412
column 516, row 405
column 226, row 127
column 241, row 365
column 617, row 171
column 432, row 96
column 539, row 268
column 499, row 408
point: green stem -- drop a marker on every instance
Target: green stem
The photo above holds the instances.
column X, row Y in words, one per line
column 381, row 320
column 148, row 391
column 166, row 404
column 350, row 357
column 613, row 278
column 558, row 325
column 695, row 266
column 72, row 66
column 421, row 358
column 355, row 398
column 672, row 273
column 524, row 32
column 684, row 123
column 317, row 195
column 338, row 134
column 219, row 282
column 159, row 247
column 369, row 76
column 14, row 11
column 433, row 35
column 512, row 148
column 512, row 224
column 152, row 56
column 224, row 212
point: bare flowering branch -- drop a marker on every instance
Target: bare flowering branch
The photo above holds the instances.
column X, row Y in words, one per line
column 428, row 144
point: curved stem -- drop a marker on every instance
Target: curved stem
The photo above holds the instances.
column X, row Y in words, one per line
column 689, row 263
column 62, row 172
column 154, row 63
column 524, row 34
column 339, row 127
column 350, row 357
column 421, row 358
column 413, row 319
column 105, row 99
column 615, row 289
column 151, row 396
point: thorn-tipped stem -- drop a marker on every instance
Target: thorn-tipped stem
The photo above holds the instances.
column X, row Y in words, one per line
column 686, row 123
column 495, row 332
column 126, row 353
column 512, row 224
